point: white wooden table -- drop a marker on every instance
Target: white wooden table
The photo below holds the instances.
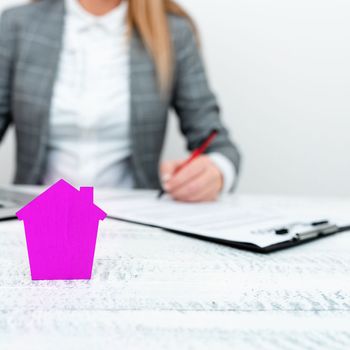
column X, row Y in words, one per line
column 152, row 289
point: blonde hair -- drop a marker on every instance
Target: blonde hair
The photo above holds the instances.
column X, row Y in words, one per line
column 149, row 19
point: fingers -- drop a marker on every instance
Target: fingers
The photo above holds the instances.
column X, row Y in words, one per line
column 189, row 172
column 201, row 188
column 199, row 181
column 207, row 196
column 168, row 168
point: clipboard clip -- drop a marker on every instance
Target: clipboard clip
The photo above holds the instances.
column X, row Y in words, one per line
column 315, row 230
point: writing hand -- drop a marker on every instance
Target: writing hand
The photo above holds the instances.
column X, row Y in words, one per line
column 199, row 181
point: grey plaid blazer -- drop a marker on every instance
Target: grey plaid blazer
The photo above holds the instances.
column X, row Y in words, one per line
column 30, row 45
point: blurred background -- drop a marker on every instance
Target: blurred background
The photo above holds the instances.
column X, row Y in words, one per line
column 281, row 72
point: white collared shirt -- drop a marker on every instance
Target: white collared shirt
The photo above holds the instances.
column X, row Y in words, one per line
column 89, row 140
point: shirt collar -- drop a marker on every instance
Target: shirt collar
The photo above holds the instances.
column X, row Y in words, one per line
column 111, row 22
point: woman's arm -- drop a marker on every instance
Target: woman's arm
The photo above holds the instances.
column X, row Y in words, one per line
column 193, row 100
column 7, row 46
column 199, row 114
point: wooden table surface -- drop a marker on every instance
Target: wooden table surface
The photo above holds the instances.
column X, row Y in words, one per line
column 152, row 289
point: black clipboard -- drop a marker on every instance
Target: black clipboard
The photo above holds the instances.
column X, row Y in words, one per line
column 319, row 230
column 256, row 249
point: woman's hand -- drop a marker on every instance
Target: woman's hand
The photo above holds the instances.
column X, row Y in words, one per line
column 198, row 181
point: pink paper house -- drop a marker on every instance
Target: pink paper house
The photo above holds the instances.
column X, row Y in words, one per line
column 61, row 227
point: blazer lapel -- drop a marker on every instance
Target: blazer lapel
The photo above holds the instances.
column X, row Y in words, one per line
column 49, row 27
column 148, row 112
column 137, row 62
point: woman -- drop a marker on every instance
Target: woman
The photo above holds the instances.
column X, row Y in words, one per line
column 88, row 86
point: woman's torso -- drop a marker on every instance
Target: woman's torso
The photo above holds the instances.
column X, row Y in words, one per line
column 90, row 115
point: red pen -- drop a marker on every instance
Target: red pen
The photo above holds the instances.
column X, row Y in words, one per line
column 196, row 153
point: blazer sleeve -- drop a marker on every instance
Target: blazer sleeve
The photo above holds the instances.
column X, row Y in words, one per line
column 194, row 102
column 7, row 47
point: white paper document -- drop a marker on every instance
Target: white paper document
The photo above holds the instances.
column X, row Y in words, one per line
column 228, row 219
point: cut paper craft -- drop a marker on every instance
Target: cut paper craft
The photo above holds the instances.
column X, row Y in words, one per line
column 61, row 226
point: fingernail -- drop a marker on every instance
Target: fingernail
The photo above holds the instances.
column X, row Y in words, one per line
column 166, row 177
